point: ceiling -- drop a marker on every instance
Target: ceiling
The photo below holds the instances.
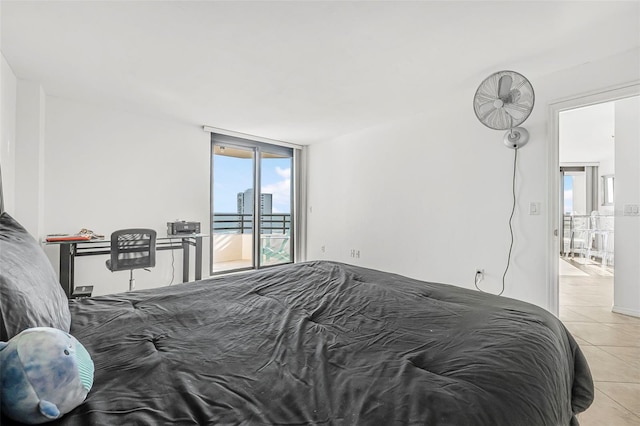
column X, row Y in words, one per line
column 298, row 71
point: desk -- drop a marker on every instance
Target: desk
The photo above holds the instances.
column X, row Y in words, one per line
column 69, row 250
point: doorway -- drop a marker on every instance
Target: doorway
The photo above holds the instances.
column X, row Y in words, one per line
column 583, row 172
column 587, row 167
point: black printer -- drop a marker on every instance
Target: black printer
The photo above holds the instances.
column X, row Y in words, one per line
column 183, row 227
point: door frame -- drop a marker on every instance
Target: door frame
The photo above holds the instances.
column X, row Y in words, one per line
column 554, row 214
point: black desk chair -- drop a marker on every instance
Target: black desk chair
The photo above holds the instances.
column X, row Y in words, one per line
column 132, row 249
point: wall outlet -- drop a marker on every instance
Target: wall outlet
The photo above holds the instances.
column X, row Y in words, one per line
column 323, row 249
column 479, row 275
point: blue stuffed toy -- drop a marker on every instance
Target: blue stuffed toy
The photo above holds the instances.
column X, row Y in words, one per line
column 44, row 373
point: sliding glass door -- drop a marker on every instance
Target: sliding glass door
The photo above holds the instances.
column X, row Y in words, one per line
column 275, row 203
column 252, row 204
column 231, row 236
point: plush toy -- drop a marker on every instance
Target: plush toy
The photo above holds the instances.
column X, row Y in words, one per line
column 44, row 373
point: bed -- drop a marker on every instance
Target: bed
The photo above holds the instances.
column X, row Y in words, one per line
column 312, row 343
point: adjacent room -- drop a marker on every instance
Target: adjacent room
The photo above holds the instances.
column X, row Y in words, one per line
column 590, row 139
column 217, row 182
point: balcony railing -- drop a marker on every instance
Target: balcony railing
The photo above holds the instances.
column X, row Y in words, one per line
column 233, row 242
column 235, row 223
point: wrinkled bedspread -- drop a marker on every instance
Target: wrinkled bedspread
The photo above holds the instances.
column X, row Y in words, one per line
column 325, row 343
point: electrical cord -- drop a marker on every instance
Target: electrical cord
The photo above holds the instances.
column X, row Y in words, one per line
column 479, row 275
column 173, row 269
column 513, row 209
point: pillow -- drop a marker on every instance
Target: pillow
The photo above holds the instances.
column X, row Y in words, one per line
column 30, row 295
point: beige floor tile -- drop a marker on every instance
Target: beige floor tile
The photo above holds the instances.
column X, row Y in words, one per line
column 566, row 268
column 581, row 342
column 587, row 281
column 600, row 334
column 570, row 314
column 604, row 314
column 586, row 299
column 606, row 367
column 625, row 394
column 610, row 342
column 602, row 284
column 628, row 327
column 606, row 412
column 598, row 270
column 628, row 354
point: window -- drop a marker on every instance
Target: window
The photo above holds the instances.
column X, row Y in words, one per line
column 568, row 194
column 252, row 204
column 607, row 190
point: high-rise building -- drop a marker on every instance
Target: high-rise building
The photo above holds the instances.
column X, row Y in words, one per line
column 245, row 202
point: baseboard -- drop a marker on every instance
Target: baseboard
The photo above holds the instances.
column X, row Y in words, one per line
column 625, row 311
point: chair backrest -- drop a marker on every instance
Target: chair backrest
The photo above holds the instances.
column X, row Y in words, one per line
column 133, row 249
column 597, row 222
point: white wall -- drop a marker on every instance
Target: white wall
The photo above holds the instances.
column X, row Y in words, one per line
column 29, row 153
column 8, row 87
column 430, row 196
column 107, row 169
column 626, row 297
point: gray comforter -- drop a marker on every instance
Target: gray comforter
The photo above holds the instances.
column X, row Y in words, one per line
column 324, row 343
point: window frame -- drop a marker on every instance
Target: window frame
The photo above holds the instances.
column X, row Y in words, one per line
column 608, row 196
column 261, row 145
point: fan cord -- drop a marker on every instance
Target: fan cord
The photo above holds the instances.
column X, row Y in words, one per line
column 478, row 275
column 173, row 269
column 513, row 209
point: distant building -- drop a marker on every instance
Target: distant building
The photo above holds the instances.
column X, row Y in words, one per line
column 245, row 202
column 245, row 206
column 241, row 222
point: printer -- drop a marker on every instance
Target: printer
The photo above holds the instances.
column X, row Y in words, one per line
column 183, row 227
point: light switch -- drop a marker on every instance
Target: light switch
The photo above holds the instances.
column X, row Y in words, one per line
column 534, row 208
column 631, row 210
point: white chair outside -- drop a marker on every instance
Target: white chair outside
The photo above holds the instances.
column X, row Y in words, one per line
column 579, row 236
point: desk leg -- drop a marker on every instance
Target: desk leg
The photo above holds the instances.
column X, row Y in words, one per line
column 185, row 260
column 198, row 258
column 66, row 267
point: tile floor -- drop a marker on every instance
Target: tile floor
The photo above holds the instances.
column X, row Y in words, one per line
column 610, row 342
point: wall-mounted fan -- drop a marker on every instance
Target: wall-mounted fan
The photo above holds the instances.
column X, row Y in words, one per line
column 503, row 101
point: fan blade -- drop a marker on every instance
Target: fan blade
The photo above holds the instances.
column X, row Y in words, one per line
column 519, row 108
column 504, row 87
column 485, row 117
column 484, row 97
column 502, row 119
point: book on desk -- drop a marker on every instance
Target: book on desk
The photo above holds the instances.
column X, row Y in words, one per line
column 83, row 235
column 53, row 238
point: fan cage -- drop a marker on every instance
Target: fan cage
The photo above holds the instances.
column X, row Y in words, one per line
column 508, row 111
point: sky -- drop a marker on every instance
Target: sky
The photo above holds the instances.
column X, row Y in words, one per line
column 568, row 194
column 233, row 175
